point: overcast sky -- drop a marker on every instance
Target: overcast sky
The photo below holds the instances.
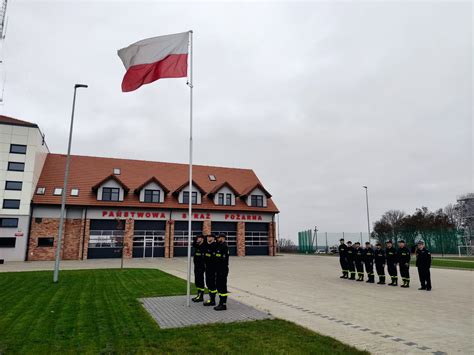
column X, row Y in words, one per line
column 319, row 98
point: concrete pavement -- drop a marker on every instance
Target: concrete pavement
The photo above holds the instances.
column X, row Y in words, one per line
column 306, row 289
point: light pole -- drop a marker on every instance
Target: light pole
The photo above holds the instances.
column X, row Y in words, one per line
column 367, row 203
column 64, row 192
column 316, row 236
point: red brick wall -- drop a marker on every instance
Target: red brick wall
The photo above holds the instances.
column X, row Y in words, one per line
column 128, row 238
column 49, row 227
column 169, row 239
column 271, row 239
column 240, row 239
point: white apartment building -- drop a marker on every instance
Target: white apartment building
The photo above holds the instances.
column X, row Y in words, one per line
column 23, row 152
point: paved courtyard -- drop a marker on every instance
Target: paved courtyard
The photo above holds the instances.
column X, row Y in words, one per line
column 307, row 290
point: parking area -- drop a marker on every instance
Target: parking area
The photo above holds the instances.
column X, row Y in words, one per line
column 307, row 290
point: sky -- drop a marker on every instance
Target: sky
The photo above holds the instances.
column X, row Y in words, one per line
column 318, row 98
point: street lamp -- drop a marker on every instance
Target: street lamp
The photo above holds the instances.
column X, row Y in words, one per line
column 367, row 202
column 63, row 195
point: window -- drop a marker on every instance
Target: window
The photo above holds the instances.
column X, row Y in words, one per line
column 186, row 197
column 13, row 185
column 7, row 242
column 152, row 196
column 38, row 220
column 40, row 190
column 9, row 222
column 18, row 148
column 220, row 199
column 14, row 166
column 74, row 192
column 45, row 242
column 212, row 177
column 11, row 204
column 116, row 171
column 110, row 193
column 256, row 200
column 228, row 199
column 57, row 191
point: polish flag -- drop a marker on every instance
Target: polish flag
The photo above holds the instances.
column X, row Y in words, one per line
column 154, row 58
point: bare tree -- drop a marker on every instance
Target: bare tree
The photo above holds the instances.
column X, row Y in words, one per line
column 394, row 219
column 287, row 245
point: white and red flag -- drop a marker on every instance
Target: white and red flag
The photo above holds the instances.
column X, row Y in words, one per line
column 154, row 58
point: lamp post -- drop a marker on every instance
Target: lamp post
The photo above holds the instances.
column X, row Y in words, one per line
column 64, row 192
column 367, row 203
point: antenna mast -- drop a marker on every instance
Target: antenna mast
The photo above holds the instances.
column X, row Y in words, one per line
column 3, row 31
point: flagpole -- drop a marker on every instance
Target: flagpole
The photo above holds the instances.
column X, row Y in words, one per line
column 190, row 208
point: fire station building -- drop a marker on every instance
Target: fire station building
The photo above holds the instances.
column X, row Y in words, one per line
column 140, row 208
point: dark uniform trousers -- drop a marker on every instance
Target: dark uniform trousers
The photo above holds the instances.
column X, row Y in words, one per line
column 359, row 263
column 404, row 264
column 391, row 255
column 423, row 263
column 369, row 263
column 343, row 260
column 209, row 257
column 222, row 270
column 425, row 277
column 350, row 262
column 380, row 271
column 199, row 266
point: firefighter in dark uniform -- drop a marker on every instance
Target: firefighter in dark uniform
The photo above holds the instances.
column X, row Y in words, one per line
column 379, row 255
column 359, row 261
column 350, row 260
column 210, row 263
column 423, row 263
column 343, row 259
column 199, row 268
column 369, row 262
column 222, row 270
column 391, row 257
column 403, row 254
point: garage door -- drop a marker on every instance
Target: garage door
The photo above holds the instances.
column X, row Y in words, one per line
column 149, row 239
column 256, row 238
column 106, row 238
column 229, row 229
column 181, row 236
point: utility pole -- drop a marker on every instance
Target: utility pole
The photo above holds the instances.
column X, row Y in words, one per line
column 367, row 203
column 316, row 236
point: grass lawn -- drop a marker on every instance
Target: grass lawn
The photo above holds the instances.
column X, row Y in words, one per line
column 96, row 311
column 451, row 263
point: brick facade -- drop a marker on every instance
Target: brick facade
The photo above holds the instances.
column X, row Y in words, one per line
column 128, row 238
column 271, row 239
column 240, row 239
column 169, row 239
column 206, row 227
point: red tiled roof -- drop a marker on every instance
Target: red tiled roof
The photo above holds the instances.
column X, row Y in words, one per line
column 220, row 186
column 15, row 122
column 195, row 184
column 150, row 180
column 110, row 177
column 86, row 172
column 249, row 189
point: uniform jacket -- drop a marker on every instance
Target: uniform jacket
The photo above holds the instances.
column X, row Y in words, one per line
column 391, row 255
column 199, row 251
column 403, row 255
column 359, row 255
column 342, row 250
column 379, row 256
column 423, row 258
column 221, row 256
column 369, row 255
column 350, row 252
column 210, row 255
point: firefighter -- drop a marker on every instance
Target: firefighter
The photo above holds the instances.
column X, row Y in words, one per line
column 423, row 263
column 210, row 264
column 343, row 259
column 350, row 260
column 359, row 261
column 403, row 255
column 222, row 270
column 369, row 262
column 391, row 258
column 199, row 269
column 379, row 254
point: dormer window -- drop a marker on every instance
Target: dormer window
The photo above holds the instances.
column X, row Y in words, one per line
column 152, row 196
column 256, row 200
column 186, row 197
column 224, row 194
column 110, row 194
column 224, row 199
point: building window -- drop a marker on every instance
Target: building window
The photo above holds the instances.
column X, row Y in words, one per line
column 186, row 197
column 74, row 192
column 13, row 185
column 116, row 171
column 9, row 222
column 7, row 242
column 212, row 177
column 40, row 190
column 110, row 193
column 220, row 199
column 256, row 201
column 14, row 166
column 45, row 242
column 57, row 191
column 11, row 204
column 152, row 196
column 228, row 199
column 18, row 148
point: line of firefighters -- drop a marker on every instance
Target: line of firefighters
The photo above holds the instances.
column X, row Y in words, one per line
column 354, row 258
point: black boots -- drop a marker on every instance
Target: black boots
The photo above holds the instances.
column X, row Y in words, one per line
column 394, row 282
column 353, row 276
column 370, row 279
column 406, row 284
column 344, row 275
column 222, row 304
column 381, row 280
column 361, row 277
column 211, row 301
column 199, row 297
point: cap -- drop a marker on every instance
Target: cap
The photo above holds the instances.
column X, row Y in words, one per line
column 389, row 241
column 421, row 241
column 341, row 240
column 378, row 244
column 367, row 243
column 210, row 235
column 221, row 235
column 349, row 242
column 401, row 241
column 356, row 243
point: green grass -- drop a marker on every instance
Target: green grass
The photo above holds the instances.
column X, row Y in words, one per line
column 451, row 263
column 97, row 311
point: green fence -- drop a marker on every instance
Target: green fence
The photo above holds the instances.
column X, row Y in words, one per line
column 305, row 242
